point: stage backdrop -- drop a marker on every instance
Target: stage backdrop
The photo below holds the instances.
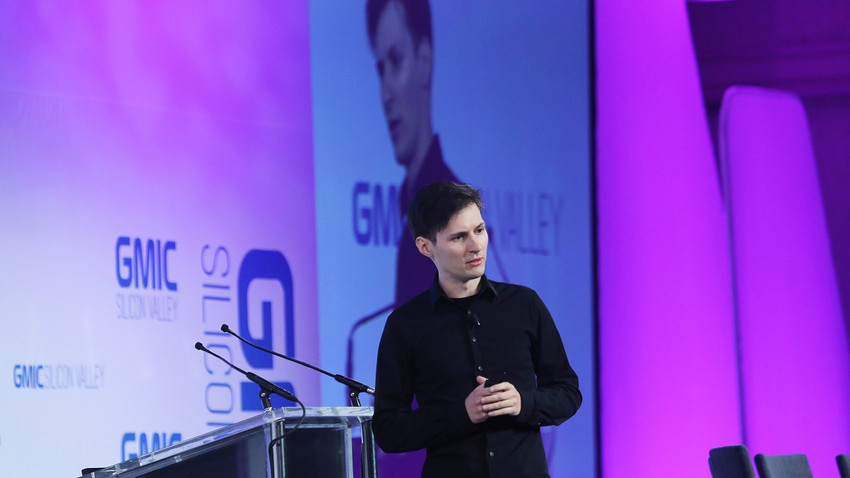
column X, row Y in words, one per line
column 166, row 167
column 510, row 87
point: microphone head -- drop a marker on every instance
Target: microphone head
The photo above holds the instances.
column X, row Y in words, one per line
column 225, row 328
column 199, row 346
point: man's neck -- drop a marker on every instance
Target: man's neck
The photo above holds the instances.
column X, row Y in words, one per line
column 459, row 290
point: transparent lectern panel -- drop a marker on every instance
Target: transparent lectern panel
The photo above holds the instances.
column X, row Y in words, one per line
column 320, row 446
column 318, row 452
column 238, row 456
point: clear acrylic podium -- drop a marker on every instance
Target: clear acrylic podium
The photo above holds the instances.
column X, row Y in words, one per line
column 320, row 446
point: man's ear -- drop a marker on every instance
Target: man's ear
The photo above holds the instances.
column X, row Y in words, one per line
column 424, row 246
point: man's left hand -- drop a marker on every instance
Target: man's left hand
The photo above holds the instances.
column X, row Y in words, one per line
column 504, row 399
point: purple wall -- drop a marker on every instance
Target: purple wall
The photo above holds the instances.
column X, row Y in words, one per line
column 794, row 365
column 675, row 378
column 668, row 381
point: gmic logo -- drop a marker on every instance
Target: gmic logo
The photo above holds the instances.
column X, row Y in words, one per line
column 28, row 376
column 265, row 290
column 135, row 445
column 375, row 216
column 143, row 264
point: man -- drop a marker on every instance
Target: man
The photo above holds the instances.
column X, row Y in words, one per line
column 402, row 44
column 482, row 359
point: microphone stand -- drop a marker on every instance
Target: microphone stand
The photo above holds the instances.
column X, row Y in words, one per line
column 355, row 388
column 266, row 389
column 368, row 449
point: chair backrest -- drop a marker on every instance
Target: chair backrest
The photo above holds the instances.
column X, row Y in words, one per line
column 730, row 462
column 783, row 466
column 843, row 465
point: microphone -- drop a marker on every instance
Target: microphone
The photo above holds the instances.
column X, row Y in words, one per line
column 263, row 383
column 267, row 388
column 473, row 318
column 350, row 383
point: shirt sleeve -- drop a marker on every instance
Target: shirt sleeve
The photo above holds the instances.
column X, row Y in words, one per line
column 556, row 396
column 398, row 426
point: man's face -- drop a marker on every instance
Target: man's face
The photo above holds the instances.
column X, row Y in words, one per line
column 460, row 250
column 404, row 71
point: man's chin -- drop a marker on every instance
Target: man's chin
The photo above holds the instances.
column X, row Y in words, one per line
column 475, row 272
column 402, row 160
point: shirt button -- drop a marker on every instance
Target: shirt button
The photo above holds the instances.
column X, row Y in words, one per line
column 492, row 454
column 480, row 368
column 474, row 340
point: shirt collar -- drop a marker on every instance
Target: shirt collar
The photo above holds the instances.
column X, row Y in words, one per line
column 435, row 293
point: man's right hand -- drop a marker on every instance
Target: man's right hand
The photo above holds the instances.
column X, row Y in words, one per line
column 474, row 407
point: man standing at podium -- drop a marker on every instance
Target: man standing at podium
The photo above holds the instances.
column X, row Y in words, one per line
column 469, row 369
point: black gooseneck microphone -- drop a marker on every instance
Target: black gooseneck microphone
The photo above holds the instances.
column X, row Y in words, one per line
column 264, row 384
column 352, row 384
column 368, row 450
column 266, row 388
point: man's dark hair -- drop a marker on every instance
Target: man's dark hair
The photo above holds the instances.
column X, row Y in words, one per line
column 417, row 15
column 434, row 205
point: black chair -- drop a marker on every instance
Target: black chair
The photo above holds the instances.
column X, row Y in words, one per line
column 730, row 462
column 783, row 466
column 843, row 465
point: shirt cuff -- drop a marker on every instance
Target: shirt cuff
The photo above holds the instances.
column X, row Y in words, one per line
column 459, row 419
column 526, row 412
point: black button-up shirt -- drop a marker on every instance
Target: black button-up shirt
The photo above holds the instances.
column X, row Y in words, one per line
column 431, row 350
